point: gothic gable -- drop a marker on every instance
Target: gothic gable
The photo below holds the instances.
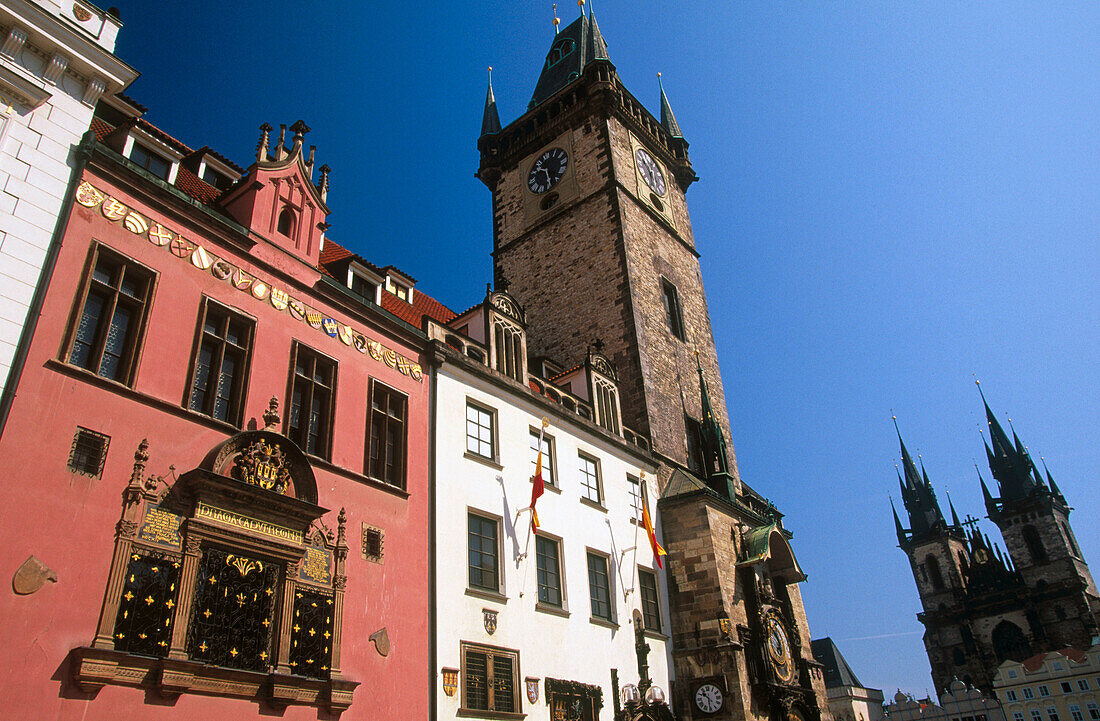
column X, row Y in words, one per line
column 277, row 198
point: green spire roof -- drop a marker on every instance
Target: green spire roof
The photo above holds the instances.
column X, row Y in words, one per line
column 574, row 47
column 668, row 120
column 490, row 119
column 717, row 469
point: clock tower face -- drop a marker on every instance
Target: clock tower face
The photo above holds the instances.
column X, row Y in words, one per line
column 708, row 698
column 650, row 171
column 547, row 170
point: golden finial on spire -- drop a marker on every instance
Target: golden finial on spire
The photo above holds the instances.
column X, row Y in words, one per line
column 580, row 4
column 557, row 20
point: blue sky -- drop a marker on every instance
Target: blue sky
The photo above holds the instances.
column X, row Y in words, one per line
column 893, row 197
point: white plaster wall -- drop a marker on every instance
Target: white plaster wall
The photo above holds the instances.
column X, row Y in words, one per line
column 36, row 145
column 572, row 648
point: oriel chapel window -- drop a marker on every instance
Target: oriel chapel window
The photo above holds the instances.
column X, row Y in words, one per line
column 114, row 305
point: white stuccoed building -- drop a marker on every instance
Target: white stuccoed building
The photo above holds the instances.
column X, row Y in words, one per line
column 533, row 624
column 56, row 61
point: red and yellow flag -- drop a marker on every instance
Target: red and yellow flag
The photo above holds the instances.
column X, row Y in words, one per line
column 647, row 523
column 538, row 487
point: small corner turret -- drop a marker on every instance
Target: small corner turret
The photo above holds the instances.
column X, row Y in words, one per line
column 278, row 200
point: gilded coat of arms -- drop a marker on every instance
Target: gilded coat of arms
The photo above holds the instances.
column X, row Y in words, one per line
column 263, row 464
column 490, row 618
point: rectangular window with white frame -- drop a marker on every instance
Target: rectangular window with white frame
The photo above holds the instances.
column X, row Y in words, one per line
column 651, row 609
column 599, row 587
column 1044, row 691
column 548, row 567
column 1083, row 684
column 1075, row 713
column 483, row 553
column 548, row 476
column 634, row 488
column 1010, row 695
column 480, row 431
column 1094, row 712
column 590, row 479
column 1028, row 693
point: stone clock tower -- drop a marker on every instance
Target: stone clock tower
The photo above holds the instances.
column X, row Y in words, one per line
column 591, row 234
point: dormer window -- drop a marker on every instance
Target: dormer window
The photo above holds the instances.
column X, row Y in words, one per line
column 286, row 222
column 560, row 52
column 364, row 287
column 401, row 291
column 149, row 160
column 211, row 176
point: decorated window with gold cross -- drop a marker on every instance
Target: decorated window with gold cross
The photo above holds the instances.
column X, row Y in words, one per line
column 228, row 572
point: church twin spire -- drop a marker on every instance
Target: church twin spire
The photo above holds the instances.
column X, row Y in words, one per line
column 1017, row 478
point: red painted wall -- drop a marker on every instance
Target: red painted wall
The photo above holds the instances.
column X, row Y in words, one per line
column 67, row 520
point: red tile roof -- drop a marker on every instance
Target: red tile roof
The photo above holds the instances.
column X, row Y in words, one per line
column 194, row 186
column 218, row 156
column 163, row 136
column 1035, row 662
column 332, row 251
column 101, row 128
column 423, row 305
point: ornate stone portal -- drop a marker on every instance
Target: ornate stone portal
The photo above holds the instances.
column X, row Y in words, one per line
column 225, row 583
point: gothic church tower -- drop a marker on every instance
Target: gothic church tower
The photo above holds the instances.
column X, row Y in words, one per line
column 591, row 234
column 982, row 606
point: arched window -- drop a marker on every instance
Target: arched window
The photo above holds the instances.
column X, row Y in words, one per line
column 1010, row 643
column 286, row 222
column 1069, row 539
column 1034, row 544
column 962, row 563
column 934, row 572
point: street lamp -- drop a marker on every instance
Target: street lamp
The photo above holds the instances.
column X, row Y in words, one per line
column 644, row 702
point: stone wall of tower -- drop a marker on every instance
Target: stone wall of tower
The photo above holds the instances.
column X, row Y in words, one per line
column 702, row 564
column 592, row 268
column 946, row 552
column 705, row 587
column 567, row 270
column 653, row 251
column 1052, row 526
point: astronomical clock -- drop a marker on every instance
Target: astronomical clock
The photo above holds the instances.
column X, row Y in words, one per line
column 781, row 682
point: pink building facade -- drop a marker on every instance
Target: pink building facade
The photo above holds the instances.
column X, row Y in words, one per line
column 216, row 462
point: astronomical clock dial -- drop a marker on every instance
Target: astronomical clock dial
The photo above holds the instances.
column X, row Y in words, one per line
column 708, row 698
column 547, row 170
column 779, row 648
column 650, row 171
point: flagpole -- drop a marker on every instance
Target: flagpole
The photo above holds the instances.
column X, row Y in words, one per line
column 537, row 477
